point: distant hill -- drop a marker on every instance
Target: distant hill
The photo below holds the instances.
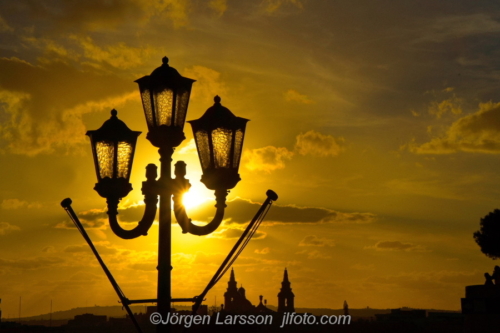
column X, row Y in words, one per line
column 118, row 311
column 110, row 311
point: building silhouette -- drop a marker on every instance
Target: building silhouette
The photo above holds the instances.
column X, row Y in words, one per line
column 286, row 296
column 234, row 297
column 346, row 308
column 235, row 300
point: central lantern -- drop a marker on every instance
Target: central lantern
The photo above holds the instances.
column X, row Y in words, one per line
column 219, row 138
column 165, row 97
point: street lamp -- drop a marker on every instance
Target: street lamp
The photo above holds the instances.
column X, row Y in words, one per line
column 113, row 147
column 165, row 97
column 219, row 138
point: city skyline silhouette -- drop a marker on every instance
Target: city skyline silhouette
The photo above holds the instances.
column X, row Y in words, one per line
column 376, row 123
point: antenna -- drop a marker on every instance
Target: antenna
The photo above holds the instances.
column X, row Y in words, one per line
column 50, row 320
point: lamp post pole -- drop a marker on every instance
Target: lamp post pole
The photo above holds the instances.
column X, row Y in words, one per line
column 164, row 292
column 219, row 136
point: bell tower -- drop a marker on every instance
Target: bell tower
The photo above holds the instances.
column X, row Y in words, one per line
column 285, row 296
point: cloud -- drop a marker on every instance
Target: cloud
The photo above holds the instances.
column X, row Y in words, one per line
column 314, row 254
column 478, row 132
column 232, row 233
column 294, row 96
column 208, row 84
column 91, row 219
column 32, row 263
column 98, row 15
column 187, row 148
column 397, row 246
column 451, row 105
column 317, row 144
column 360, row 267
column 102, row 248
column 16, row 204
column 272, row 158
column 49, row 249
column 45, row 112
column 313, row 240
column 242, row 211
column 175, row 10
column 219, row 6
column 265, row 250
column 6, row 228
column 459, row 26
column 4, row 27
column 117, row 55
column 272, row 6
column 267, row 159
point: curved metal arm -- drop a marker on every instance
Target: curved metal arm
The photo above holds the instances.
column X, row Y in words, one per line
column 187, row 225
column 150, row 200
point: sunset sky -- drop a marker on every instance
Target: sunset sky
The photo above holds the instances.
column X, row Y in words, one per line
column 376, row 122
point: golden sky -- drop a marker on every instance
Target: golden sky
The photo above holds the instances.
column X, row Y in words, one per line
column 377, row 123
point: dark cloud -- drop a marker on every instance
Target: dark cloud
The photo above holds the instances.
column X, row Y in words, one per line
column 242, row 211
column 231, row 233
column 313, row 240
column 478, row 132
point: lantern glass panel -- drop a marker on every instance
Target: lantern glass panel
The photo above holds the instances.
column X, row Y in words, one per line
column 222, row 140
column 238, row 143
column 124, row 158
column 164, row 98
column 181, row 107
column 148, row 109
column 105, row 157
column 203, row 148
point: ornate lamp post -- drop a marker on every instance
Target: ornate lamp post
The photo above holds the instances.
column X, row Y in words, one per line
column 219, row 138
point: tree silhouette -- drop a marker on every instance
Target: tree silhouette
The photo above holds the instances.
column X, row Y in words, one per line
column 488, row 237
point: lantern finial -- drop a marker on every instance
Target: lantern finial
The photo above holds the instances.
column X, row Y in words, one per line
column 164, row 60
column 114, row 113
column 217, row 99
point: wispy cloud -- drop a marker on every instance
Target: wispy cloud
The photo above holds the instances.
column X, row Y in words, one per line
column 444, row 28
column 273, row 6
column 397, row 246
column 294, row 96
column 44, row 113
column 6, row 228
column 17, row 204
column 313, row 240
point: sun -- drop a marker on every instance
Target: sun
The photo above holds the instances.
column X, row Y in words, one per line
column 194, row 198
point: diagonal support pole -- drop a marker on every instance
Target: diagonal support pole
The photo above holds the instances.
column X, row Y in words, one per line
column 66, row 204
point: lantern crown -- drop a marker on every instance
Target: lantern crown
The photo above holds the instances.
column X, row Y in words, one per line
column 218, row 116
column 113, row 129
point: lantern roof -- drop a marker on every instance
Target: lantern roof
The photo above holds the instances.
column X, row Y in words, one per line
column 166, row 75
column 113, row 129
column 218, row 116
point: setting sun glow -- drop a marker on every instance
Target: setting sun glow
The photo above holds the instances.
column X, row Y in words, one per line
column 193, row 198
